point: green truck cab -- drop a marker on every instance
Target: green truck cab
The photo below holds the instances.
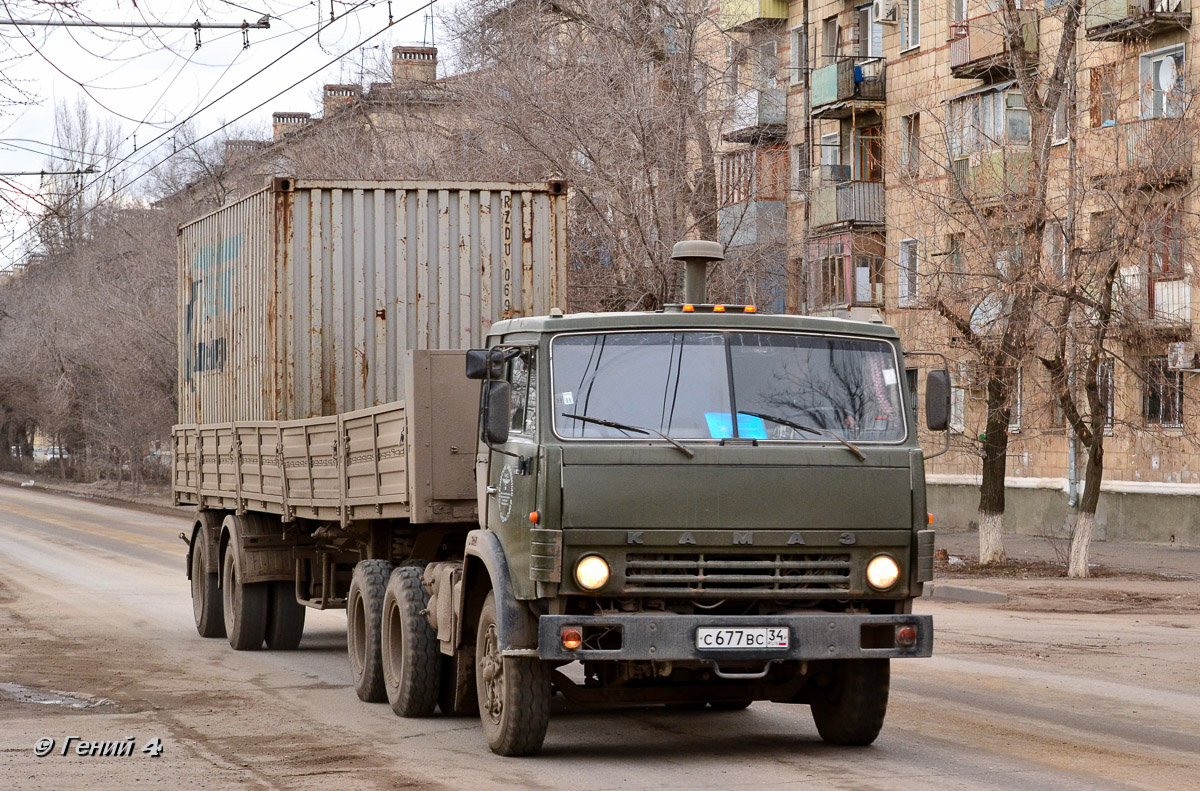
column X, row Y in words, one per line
column 702, row 506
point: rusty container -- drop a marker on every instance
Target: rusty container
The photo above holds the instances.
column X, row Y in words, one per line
column 300, row 300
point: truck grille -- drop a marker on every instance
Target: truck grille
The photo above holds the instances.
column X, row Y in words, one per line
column 724, row 575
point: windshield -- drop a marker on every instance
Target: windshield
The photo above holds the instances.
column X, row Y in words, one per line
column 688, row 385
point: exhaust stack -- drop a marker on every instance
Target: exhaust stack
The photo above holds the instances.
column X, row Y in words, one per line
column 696, row 255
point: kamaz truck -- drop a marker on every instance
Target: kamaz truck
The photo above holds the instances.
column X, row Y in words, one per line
column 699, row 506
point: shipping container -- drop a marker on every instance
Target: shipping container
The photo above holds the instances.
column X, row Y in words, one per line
column 300, row 300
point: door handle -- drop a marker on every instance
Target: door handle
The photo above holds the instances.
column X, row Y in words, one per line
column 492, row 490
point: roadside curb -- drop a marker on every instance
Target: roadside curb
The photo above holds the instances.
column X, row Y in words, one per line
column 962, row 594
column 116, row 502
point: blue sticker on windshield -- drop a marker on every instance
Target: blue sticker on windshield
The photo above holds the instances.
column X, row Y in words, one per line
column 720, row 426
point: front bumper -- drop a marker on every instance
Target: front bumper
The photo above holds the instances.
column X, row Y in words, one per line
column 672, row 637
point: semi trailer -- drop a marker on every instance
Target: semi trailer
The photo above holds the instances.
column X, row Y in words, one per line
column 384, row 408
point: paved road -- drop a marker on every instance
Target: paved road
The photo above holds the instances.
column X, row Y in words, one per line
column 93, row 602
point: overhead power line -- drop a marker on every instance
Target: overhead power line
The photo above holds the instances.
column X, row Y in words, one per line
column 263, row 23
column 86, row 171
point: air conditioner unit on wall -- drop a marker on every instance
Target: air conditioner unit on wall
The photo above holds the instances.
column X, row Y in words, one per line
column 1181, row 356
column 886, row 12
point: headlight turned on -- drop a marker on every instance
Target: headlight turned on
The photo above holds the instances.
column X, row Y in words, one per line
column 591, row 572
column 882, row 572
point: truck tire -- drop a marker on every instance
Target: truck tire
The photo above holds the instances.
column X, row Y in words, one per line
column 244, row 606
column 412, row 662
column 285, row 618
column 364, row 609
column 514, row 692
column 206, row 592
column 849, row 710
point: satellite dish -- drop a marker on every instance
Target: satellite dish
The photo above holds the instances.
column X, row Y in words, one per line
column 1168, row 75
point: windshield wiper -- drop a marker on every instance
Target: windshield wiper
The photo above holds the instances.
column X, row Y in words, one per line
column 626, row 427
column 810, row 429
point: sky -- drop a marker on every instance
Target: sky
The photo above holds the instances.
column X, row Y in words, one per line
column 148, row 82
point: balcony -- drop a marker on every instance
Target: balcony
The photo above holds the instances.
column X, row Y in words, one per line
column 1123, row 20
column 993, row 176
column 979, row 49
column 742, row 14
column 757, row 116
column 842, row 201
column 1147, row 153
column 850, row 85
column 1148, row 304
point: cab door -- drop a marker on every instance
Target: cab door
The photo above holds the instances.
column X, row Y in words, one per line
column 513, row 470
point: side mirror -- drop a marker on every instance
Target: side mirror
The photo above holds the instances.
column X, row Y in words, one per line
column 477, row 363
column 937, row 400
column 496, row 415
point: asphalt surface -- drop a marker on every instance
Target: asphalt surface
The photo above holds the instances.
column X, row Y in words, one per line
column 94, row 608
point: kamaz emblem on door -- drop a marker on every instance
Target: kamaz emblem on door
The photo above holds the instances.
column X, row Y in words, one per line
column 504, row 494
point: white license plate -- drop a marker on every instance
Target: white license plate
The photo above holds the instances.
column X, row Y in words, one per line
column 714, row 638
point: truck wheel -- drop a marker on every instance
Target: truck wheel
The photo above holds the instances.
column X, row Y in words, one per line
column 850, row 709
column 412, row 662
column 364, row 608
column 514, row 692
column 244, row 606
column 206, row 593
column 285, row 618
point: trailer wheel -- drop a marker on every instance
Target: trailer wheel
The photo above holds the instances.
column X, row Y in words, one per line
column 206, row 593
column 411, row 660
column 285, row 618
column 514, row 692
column 364, row 608
column 850, row 708
column 245, row 606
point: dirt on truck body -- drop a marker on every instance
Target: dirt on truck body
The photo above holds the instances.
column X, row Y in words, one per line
column 702, row 506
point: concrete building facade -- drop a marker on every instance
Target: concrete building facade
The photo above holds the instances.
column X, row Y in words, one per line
column 911, row 153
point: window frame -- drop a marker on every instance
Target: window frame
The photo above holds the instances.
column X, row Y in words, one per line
column 908, row 272
column 1147, row 72
column 910, row 25
column 1157, row 375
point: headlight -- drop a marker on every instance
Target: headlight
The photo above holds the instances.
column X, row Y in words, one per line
column 591, row 573
column 882, row 572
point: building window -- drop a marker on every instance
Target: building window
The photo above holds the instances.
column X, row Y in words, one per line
column 1015, row 405
column 984, row 121
column 1104, row 95
column 910, row 145
column 1107, row 387
column 1056, row 249
column 735, row 56
column 799, row 169
column 958, row 400
column 910, row 24
column 831, row 158
column 869, row 161
column 868, row 280
column 1162, row 81
column 829, row 38
column 908, row 273
column 1162, row 394
column 870, row 32
column 958, row 11
column 1166, row 248
column 955, row 255
column 796, row 73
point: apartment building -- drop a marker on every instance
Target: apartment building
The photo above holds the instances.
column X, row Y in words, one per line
column 910, row 146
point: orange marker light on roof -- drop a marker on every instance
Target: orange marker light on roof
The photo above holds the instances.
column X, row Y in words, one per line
column 718, row 308
column 749, row 309
column 689, row 308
